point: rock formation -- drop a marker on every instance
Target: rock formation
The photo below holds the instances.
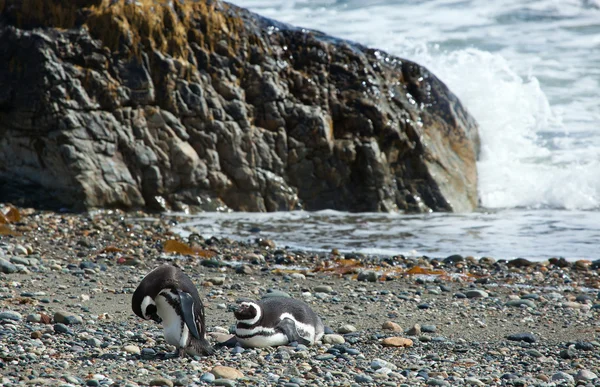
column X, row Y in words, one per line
column 170, row 105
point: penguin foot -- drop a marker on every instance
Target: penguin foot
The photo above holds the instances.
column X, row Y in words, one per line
column 200, row 348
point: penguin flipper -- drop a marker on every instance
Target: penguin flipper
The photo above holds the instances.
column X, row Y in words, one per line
column 287, row 326
column 187, row 308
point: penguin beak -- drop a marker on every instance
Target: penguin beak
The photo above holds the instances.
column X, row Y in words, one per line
column 234, row 308
column 156, row 318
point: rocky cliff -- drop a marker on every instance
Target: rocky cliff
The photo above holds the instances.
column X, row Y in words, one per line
column 169, row 104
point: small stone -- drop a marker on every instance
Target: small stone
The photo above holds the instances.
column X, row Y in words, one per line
column 323, row 289
column 531, row 296
column 36, row 334
column 93, row 342
column 521, row 302
column 391, row 326
column 92, row 383
column 72, row 379
column 21, row 261
column 584, row 346
column 585, row 375
column 67, row 318
column 543, row 377
column 266, row 243
column 582, row 265
column 182, row 381
column 519, row 262
column 254, row 258
column 87, row 265
column 414, row 331
column 562, row 376
column 534, row 353
column 347, row 328
column 34, row 317
column 148, row 353
column 207, row 377
column 333, row 339
column 134, row 349
column 437, row 382
column 397, row 342
column 474, row 382
column 363, row 378
column 325, row 356
column 10, row 315
column 224, row 382
column 61, row 328
column 571, row 305
column 161, row 382
column 217, row 280
column 275, row 293
column 428, row 328
column 380, row 363
column 297, row 276
column 6, row 267
column 244, row 269
column 568, row 353
column 224, row 372
column 527, row 337
column 322, row 296
column 369, row 276
column 476, row 293
column 454, row 259
column 20, row 250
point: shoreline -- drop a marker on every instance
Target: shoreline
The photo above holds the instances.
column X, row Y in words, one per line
column 80, row 270
column 537, row 235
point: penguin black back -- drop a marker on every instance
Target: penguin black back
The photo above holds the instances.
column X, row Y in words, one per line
column 276, row 321
column 164, row 277
column 169, row 288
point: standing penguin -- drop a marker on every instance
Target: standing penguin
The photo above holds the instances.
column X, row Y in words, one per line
column 167, row 295
column 276, row 321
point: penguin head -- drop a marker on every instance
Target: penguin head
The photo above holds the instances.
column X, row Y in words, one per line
column 142, row 301
column 146, row 309
column 248, row 313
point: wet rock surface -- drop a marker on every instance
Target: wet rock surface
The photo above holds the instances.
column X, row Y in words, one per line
column 218, row 108
column 81, row 271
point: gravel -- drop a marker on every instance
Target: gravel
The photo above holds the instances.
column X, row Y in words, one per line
column 66, row 319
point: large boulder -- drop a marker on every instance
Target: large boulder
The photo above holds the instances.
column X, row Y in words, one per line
column 162, row 104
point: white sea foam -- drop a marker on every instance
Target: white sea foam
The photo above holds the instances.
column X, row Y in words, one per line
column 527, row 71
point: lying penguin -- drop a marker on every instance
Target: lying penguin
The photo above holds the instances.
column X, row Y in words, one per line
column 276, row 321
column 168, row 296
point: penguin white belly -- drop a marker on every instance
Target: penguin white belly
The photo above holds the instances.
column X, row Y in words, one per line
column 268, row 337
column 171, row 322
column 259, row 341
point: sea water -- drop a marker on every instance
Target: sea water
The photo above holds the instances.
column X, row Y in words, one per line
column 528, row 72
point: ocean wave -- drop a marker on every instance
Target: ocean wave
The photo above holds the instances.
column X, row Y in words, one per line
column 526, row 71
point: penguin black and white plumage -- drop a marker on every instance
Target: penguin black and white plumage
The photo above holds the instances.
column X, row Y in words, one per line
column 168, row 296
column 275, row 321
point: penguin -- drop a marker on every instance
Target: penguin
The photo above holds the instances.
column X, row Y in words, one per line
column 168, row 296
column 275, row 321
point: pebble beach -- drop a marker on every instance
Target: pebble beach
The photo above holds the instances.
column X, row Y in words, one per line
column 65, row 311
